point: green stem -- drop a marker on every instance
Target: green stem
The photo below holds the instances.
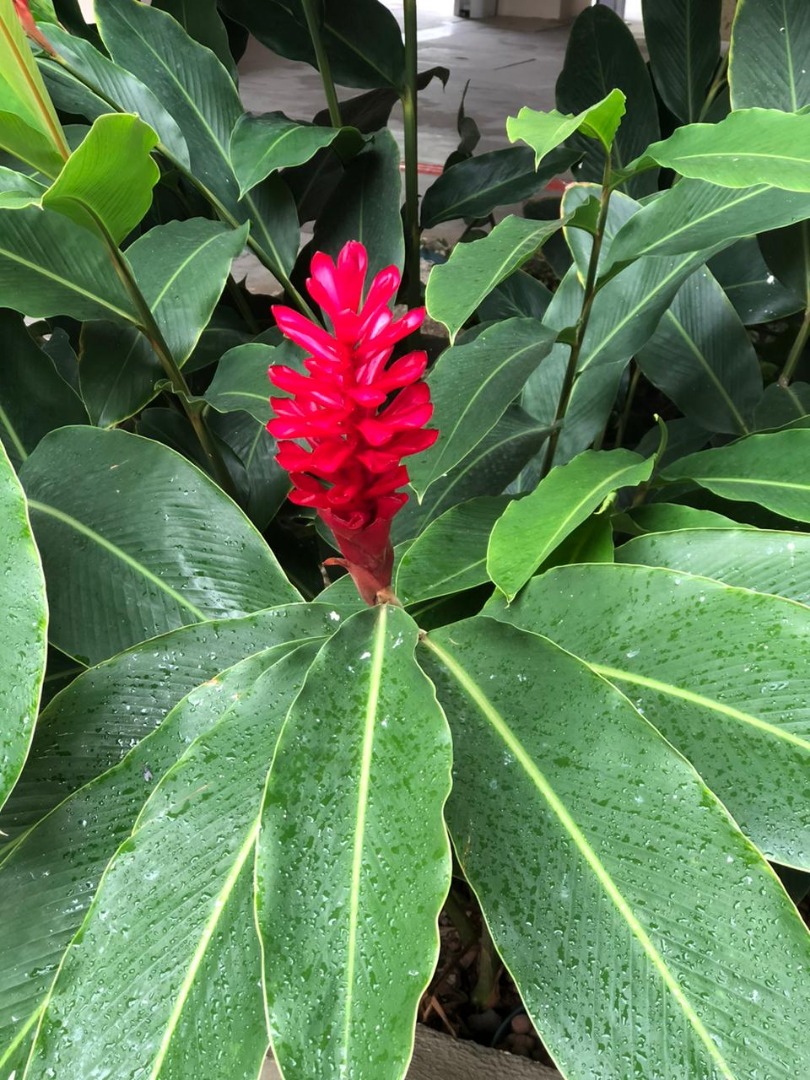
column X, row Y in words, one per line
column 717, row 85
column 796, row 352
column 242, row 306
column 628, row 405
column 322, row 60
column 409, row 112
column 582, row 322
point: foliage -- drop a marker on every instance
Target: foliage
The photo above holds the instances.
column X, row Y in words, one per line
column 230, row 825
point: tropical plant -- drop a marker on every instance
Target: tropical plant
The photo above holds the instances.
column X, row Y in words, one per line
column 574, row 656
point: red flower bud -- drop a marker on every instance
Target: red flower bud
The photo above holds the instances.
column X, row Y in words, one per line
column 355, row 432
column 30, row 26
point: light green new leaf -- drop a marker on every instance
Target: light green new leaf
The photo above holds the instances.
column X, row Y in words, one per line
column 772, row 470
column 109, row 709
column 759, row 559
column 350, row 883
column 451, row 554
column 108, row 179
column 23, row 628
column 49, row 265
column 137, row 541
column 643, row 930
column 184, row 940
column 471, row 387
column 29, row 145
column 545, row 131
column 748, row 147
column 720, row 671
column 768, row 55
column 531, row 528
column 181, row 269
column 456, row 288
column 264, row 144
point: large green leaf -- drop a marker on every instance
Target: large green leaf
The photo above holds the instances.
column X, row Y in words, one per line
column 118, row 372
column 768, row 58
column 691, row 654
column 18, row 190
column 201, row 20
column 748, row 147
column 754, row 291
column 353, row 863
column 694, row 214
column 601, row 56
column 702, row 358
column 198, row 940
column 136, row 541
column 109, row 709
column 772, row 470
column 80, row 835
column 107, row 181
column 456, row 288
column 759, row 559
column 362, row 39
column 471, row 387
column 683, row 40
column 787, row 253
column 23, row 628
column 451, row 554
column 518, row 295
column 181, row 269
column 264, row 484
column 473, row 188
column 49, row 265
column 545, row 131
column 34, row 399
column 533, row 527
column 241, row 380
column 87, row 82
column 642, row 928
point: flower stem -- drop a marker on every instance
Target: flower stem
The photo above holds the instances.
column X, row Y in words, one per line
column 409, row 112
column 322, row 61
column 582, row 322
column 796, row 351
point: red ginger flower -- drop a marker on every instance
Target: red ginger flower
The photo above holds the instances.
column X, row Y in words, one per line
column 343, row 410
column 30, row 27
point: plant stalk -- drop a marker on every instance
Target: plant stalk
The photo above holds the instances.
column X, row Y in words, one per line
column 322, row 61
column 582, row 322
column 796, row 351
column 409, row 112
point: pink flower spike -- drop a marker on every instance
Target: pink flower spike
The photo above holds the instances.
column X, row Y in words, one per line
column 355, row 433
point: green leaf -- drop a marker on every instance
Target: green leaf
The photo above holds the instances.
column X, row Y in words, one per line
column 451, row 554
column 110, row 709
column 264, row 144
column 118, row 372
column 771, row 470
column 689, row 652
column 664, row 517
column 456, row 288
column 493, row 464
column 475, row 187
column 137, row 541
column 768, row 56
column 362, row 39
column 241, row 379
column 624, row 853
column 787, row 253
column 29, row 145
column 534, row 526
column 471, row 387
column 266, row 484
column 694, row 214
column 201, row 21
column 518, row 295
column 759, row 559
column 34, row 399
column 23, row 628
column 367, row 729
column 88, row 82
column 782, row 405
column 365, row 206
column 543, row 132
column 80, row 836
column 754, row 291
column 181, row 269
column 602, row 55
column 748, row 147
column 683, row 40
column 701, row 357
column 108, row 180
column 18, row 190
column 49, row 265
column 198, row 940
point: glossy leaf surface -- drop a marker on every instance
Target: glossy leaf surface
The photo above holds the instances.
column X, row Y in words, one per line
column 691, row 654
column 368, row 726
column 543, row 132
column 604, row 920
column 768, row 59
column 118, row 372
column 136, row 541
column 683, row 39
column 23, row 628
column 754, row 291
column 531, row 528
